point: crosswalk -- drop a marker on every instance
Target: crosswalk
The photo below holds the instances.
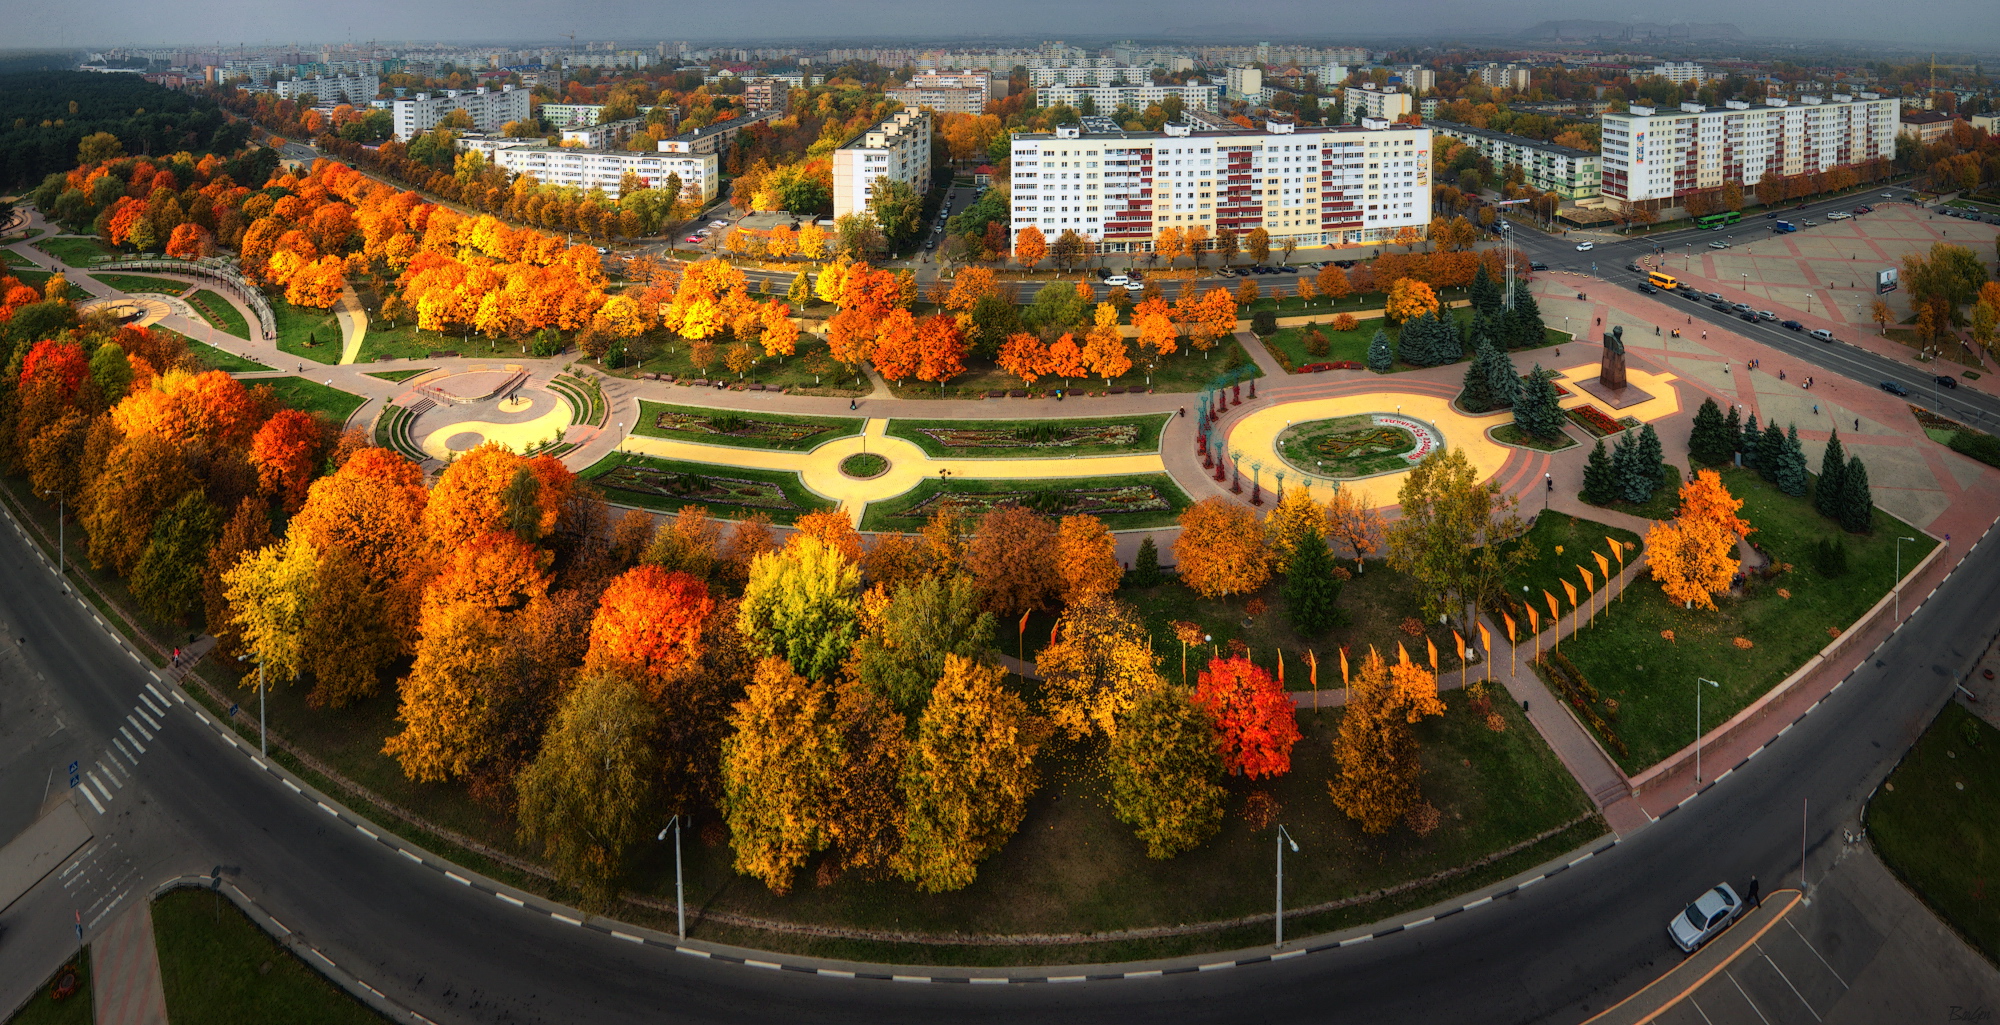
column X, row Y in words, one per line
column 100, row 783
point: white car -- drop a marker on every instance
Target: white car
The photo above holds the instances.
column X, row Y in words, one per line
column 1118, row 281
column 1135, row 286
column 1888, row 195
column 1584, row 247
column 718, row 224
column 1702, row 920
column 1838, row 215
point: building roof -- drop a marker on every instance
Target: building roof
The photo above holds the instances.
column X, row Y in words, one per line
column 1800, row 104
column 1208, row 133
column 1927, row 117
column 1509, row 137
column 722, row 126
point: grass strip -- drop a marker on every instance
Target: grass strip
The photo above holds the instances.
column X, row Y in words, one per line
column 313, row 397
column 1145, row 436
column 824, row 428
column 1936, row 823
column 220, row 313
column 217, row 966
column 908, row 512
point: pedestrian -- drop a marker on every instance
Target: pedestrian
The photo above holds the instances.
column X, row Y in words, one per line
column 1815, row 409
column 1857, row 423
column 1704, row 336
column 1751, row 897
column 853, row 404
column 1183, row 412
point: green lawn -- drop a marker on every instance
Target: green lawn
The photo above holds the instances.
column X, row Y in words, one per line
column 220, row 313
column 312, row 334
column 396, row 375
column 76, row 1010
column 1090, row 437
column 778, row 493
column 807, row 372
column 218, row 967
column 217, row 359
column 78, row 251
column 13, row 259
column 779, row 431
column 143, row 283
column 314, row 397
column 1577, row 538
column 1936, row 823
column 29, row 276
column 1652, row 679
column 909, row 511
column 1184, row 371
column 1508, row 433
column 1353, row 345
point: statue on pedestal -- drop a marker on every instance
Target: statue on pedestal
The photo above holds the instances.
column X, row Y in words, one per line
column 1611, row 373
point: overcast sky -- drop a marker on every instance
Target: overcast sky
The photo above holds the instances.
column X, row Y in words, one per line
column 1947, row 24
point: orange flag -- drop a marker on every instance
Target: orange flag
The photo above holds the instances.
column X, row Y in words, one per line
column 1402, row 654
column 1485, row 639
column 1603, row 564
column 1571, row 588
column 1053, row 629
column 1555, row 611
column 1460, row 641
column 1312, row 660
column 1434, row 652
column 1534, row 619
column 1343, row 668
column 1281, row 669
column 1589, row 583
column 1617, row 549
column 1510, row 625
column 1023, row 629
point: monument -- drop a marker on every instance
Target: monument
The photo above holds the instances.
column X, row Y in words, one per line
column 1610, row 386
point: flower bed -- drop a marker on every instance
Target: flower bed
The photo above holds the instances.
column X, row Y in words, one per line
column 1341, row 364
column 1595, row 421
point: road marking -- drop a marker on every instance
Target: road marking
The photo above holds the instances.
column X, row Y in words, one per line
column 157, row 694
column 921, row 978
column 135, row 742
column 1483, row 901
column 1215, row 967
column 987, row 981
column 112, row 776
column 1788, row 983
column 1689, row 991
column 259, row 762
column 1746, row 998
column 1363, row 939
column 371, row 989
column 1286, row 956
column 93, row 799
column 566, row 918
column 691, row 952
column 121, row 750
column 512, row 900
column 836, row 973
column 1419, row 922
column 101, row 788
column 314, row 951
column 1153, row 974
column 771, row 966
column 1816, row 953
column 459, row 879
column 1066, row 978
column 136, row 726
column 369, row 833
column 323, row 806
column 153, row 708
column 294, row 786
column 410, row 856
column 148, row 718
column 626, row 936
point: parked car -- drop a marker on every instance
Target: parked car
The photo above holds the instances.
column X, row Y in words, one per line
column 1635, row 268
column 1718, row 245
column 1584, row 247
column 1286, row 270
column 1747, row 315
column 1714, row 297
column 695, row 239
column 718, row 224
column 1946, row 381
column 1822, row 334
column 1839, row 215
column 1228, row 272
column 1646, row 288
column 1537, row 265
column 1773, row 215
column 1810, row 223
column 1118, row 280
column 1704, row 919
column 1888, row 195
column 1791, row 325
column 1103, row 273
column 1894, row 389
column 1766, row 315
column 1740, row 307
column 1864, row 209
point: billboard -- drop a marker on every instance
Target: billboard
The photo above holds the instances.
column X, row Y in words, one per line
column 1885, row 280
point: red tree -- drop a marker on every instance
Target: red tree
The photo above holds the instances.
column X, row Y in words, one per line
column 285, row 452
column 1256, row 723
column 649, row 624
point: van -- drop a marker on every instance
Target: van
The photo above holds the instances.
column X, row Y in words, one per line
column 1659, row 280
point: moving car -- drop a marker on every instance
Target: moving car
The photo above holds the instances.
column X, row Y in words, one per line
column 1720, row 307
column 1635, row 268
column 1747, row 315
column 1704, row 919
column 1810, row 223
column 1864, row 209
column 695, row 239
column 1822, row 334
column 1894, row 389
column 1791, row 325
column 1135, row 286
column 1946, row 381
column 1648, row 289
column 718, row 224
column 1718, row 245
column 1584, row 247
column 1537, row 265
column 1839, row 215
column 1118, row 280
column 1888, row 195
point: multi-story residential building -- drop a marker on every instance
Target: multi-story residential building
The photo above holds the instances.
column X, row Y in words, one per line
column 1332, row 76
column 489, row 109
column 1986, row 122
column 1570, row 173
column 570, row 115
column 951, row 92
column 715, row 138
column 898, row 149
column 1681, row 72
column 1365, row 101
column 1193, row 96
column 1653, row 157
column 326, row 92
column 1265, row 53
column 1100, row 71
column 1927, row 125
column 1504, row 76
column 1342, row 185
column 1417, row 78
column 599, row 169
column 1134, row 55
column 1245, row 83
column 622, row 60
column 767, row 94
column 608, row 135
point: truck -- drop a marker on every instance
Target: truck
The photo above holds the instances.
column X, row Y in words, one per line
column 1785, row 226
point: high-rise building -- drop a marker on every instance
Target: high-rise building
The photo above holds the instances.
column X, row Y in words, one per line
column 1245, row 83
column 326, row 92
column 1681, row 72
column 1319, row 186
column 1653, row 157
column 1504, row 76
column 489, row 109
column 898, row 149
column 1570, row 173
column 769, row 94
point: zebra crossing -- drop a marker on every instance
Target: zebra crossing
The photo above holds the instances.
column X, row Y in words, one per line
column 100, row 782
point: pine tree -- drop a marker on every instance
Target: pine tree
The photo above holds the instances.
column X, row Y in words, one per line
column 1653, row 458
column 1310, row 588
column 1502, row 380
column 1527, row 318
column 1732, row 427
column 1772, row 444
column 1629, row 463
column 1707, row 441
column 1537, row 414
column 1600, row 479
column 1747, row 441
column 1475, row 394
column 1417, row 344
column 1380, row 359
column 1832, row 469
column 1792, row 479
column 1146, row 568
column 1857, row 506
column 1487, row 300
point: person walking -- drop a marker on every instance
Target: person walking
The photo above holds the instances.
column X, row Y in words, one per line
column 1751, row 898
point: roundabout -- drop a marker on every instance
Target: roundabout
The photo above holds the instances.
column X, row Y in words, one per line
column 1285, row 438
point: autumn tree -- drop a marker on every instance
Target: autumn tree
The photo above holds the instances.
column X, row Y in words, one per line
column 1450, row 537
column 689, row 542
column 142, row 477
column 1030, row 247
column 1693, row 556
column 285, row 452
column 1086, row 559
column 1166, row 773
column 1378, row 769
column 1099, row 665
column 648, row 626
column 588, row 795
column 248, row 529
column 908, row 635
column 1256, row 722
column 167, row 581
column 270, row 593
column 350, row 634
column 832, row 528
column 1295, row 516
column 1409, row 299
column 1011, row 559
column 800, row 605
column 968, row 776
column 1221, row 549
column 444, row 703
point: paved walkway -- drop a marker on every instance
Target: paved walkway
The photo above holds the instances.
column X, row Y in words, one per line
column 125, row 971
column 353, row 325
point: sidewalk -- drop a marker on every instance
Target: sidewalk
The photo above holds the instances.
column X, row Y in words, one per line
column 125, row 971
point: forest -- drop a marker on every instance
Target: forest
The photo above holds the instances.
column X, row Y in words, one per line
column 45, row 115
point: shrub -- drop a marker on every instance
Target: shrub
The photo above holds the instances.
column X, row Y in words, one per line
column 1830, row 556
column 1345, row 322
column 1978, row 445
column 1264, row 323
column 1316, row 343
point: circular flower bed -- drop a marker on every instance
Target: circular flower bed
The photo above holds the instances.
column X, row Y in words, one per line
column 864, row 465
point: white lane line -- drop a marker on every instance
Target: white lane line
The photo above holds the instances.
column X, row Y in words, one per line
column 1788, row 984
column 150, row 721
column 101, row 788
column 134, row 740
column 259, row 762
column 1286, row 956
column 1816, row 953
column 157, row 694
column 1746, row 998
column 1357, row 939
column 1153, row 974
column 896, row 978
column 987, row 982
column 1419, row 923
column 691, row 952
column 512, row 900
column 121, row 750
column 371, row 989
column 627, row 937
column 112, row 776
column 93, row 799
column 141, row 729
column 150, row 707
column 1480, row 903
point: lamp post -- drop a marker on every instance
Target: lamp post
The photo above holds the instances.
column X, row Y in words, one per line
column 263, row 745
column 62, row 521
column 680, row 900
column 1283, row 838
column 1698, row 681
column 1897, row 586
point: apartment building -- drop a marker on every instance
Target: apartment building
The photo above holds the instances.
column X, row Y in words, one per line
column 1193, row 96
column 1927, row 125
column 1504, row 76
column 1570, row 173
column 1087, row 72
column 1245, row 83
column 622, row 60
column 951, row 92
column 1652, row 157
column 769, row 94
column 489, row 109
column 1343, row 185
column 327, row 92
column 608, row 135
column 599, row 169
column 712, row 139
column 898, row 149
column 1681, row 72
column 1366, row 101
column 1416, row 78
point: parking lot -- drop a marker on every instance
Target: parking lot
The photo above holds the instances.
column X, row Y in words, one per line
column 1796, row 972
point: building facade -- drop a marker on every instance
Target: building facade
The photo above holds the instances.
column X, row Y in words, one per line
column 1138, row 97
column 327, row 92
column 1927, row 125
column 1570, row 173
column 951, row 92
column 1504, row 76
column 1343, row 185
column 1245, row 83
column 767, row 94
column 1653, row 157
column 602, row 170
column 489, row 110
column 1366, row 101
column 1681, row 72
column 898, row 149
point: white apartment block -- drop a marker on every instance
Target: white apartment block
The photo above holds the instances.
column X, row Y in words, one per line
column 1149, row 57
column 1332, row 75
column 489, row 109
column 1504, row 76
column 898, row 149
column 1570, row 173
column 569, row 115
column 602, row 170
column 1094, row 72
column 622, row 60
column 1681, row 72
column 1417, row 78
column 1265, row 53
column 1138, row 97
column 1652, row 157
column 951, row 92
column 1366, row 101
column 1245, row 83
column 327, row 92
column 1343, row 185
column 609, row 135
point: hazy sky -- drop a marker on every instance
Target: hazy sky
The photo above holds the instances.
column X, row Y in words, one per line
column 1954, row 24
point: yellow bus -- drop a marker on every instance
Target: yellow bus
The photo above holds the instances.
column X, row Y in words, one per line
column 1659, row 280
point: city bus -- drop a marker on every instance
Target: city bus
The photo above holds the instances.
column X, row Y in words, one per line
column 1718, row 220
column 1659, row 280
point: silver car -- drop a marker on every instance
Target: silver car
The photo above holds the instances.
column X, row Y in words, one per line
column 1704, row 919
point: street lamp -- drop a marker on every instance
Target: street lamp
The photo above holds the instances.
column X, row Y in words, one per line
column 1898, row 585
column 1283, row 838
column 263, row 745
column 680, row 900
column 1698, row 681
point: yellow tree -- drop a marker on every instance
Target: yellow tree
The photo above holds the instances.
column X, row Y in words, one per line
column 584, row 799
column 1351, row 521
column 1221, row 549
column 968, row 776
column 1086, row 559
column 1171, row 245
column 812, row 242
column 1098, row 667
column 1030, row 247
column 1104, row 347
column 1376, row 752
column 1295, row 516
column 1446, row 536
column 777, row 769
column 1166, row 771
column 1694, row 555
column 270, row 595
column 1408, row 299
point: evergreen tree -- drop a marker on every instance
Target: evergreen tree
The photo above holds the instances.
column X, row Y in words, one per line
column 1746, row 442
column 1600, row 479
column 1832, row 469
column 1486, row 295
column 1427, row 342
column 1772, row 444
column 1503, row 382
column 1311, row 589
column 1733, row 428
column 1146, row 568
column 1792, row 479
column 1857, row 506
column 1484, row 329
column 1525, row 317
column 1652, row 457
column 1474, row 394
column 1629, row 465
column 1380, row 359
column 1537, row 414
column 1709, row 441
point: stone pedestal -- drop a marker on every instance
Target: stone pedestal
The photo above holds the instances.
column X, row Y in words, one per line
column 1611, row 374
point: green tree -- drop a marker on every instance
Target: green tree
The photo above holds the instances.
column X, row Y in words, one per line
column 801, row 291
column 1503, row 382
column 1524, row 321
column 1649, row 457
column 1476, row 391
column 1832, row 484
column 1536, row 413
column 1310, row 589
column 1792, row 478
column 1710, row 441
column 903, row 653
column 1056, row 308
column 167, row 580
column 1146, row 566
column 1600, row 480
column 968, row 777
column 1446, row 536
column 1166, row 773
column 1857, row 505
column 1772, row 445
column 111, row 372
column 799, row 605
column 98, row 147
column 1748, row 439
column 897, row 208
column 1380, row 357
column 1488, row 298
column 586, row 798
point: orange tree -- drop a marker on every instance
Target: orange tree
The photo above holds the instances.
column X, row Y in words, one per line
column 1376, row 782
column 1256, row 723
column 1221, row 549
column 1693, row 556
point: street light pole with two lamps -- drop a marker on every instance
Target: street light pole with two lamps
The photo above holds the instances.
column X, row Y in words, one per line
column 1283, row 838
